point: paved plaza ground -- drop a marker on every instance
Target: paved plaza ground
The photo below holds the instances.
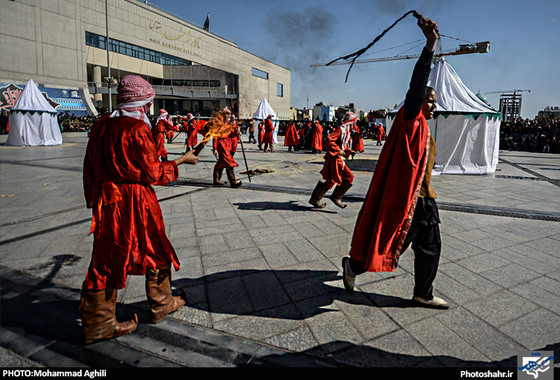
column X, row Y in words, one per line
column 262, row 269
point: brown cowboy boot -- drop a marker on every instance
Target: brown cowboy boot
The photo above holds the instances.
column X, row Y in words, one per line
column 160, row 298
column 217, row 178
column 97, row 310
column 339, row 192
column 318, row 193
column 233, row 182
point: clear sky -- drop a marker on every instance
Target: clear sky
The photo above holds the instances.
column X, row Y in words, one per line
column 524, row 44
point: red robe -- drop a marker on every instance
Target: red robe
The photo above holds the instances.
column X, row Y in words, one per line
column 201, row 125
column 261, row 132
column 120, row 165
column 303, row 131
column 380, row 132
column 291, row 135
column 268, row 132
column 192, row 132
column 317, row 137
column 159, row 133
column 335, row 169
column 387, row 211
column 226, row 148
column 357, row 140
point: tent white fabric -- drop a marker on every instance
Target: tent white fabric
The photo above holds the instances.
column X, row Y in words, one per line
column 263, row 110
column 466, row 130
column 33, row 120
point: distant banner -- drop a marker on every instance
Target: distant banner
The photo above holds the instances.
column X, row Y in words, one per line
column 9, row 94
column 63, row 100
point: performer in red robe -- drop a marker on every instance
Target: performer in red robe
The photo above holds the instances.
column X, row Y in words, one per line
column 380, row 133
column 357, row 140
column 303, row 133
column 335, row 171
column 291, row 138
column 261, row 134
column 225, row 148
column 317, row 138
column 268, row 139
column 400, row 207
column 162, row 127
column 120, row 166
column 192, row 132
column 201, row 125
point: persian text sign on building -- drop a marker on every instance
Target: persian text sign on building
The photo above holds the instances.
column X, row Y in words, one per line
column 182, row 41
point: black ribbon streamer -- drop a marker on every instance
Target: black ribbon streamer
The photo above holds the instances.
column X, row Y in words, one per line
column 358, row 53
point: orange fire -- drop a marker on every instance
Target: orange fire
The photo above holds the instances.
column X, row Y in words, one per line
column 217, row 127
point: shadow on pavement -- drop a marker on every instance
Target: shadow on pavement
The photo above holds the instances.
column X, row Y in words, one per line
column 262, row 292
column 48, row 315
column 288, row 206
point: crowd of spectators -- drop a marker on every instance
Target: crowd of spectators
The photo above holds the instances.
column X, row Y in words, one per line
column 4, row 122
column 72, row 123
column 66, row 121
column 541, row 135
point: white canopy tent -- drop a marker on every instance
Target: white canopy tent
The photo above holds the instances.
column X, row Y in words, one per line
column 263, row 110
column 466, row 130
column 33, row 120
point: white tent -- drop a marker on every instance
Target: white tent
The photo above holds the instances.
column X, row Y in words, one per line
column 263, row 110
column 466, row 130
column 33, row 120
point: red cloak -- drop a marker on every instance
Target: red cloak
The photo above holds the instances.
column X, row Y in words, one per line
column 387, row 211
column 268, row 132
column 334, row 168
column 261, row 132
column 303, row 131
column 380, row 132
column 317, row 137
column 192, row 132
column 226, row 148
column 357, row 140
column 291, row 136
column 159, row 133
column 120, row 165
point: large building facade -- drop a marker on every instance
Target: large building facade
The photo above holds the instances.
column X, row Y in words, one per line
column 63, row 46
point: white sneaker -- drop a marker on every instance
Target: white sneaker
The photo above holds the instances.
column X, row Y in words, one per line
column 435, row 302
column 347, row 280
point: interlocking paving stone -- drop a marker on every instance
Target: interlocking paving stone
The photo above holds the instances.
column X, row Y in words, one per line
column 261, row 267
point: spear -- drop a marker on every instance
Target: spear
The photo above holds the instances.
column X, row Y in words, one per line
column 180, row 123
column 244, row 158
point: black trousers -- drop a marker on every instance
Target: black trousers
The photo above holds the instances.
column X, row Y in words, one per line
column 425, row 238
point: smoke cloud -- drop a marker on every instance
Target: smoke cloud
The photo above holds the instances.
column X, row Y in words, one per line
column 300, row 38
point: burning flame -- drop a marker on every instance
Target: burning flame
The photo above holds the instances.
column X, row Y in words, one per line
column 218, row 126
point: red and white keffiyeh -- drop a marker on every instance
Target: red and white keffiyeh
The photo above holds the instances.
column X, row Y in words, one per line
column 162, row 116
column 134, row 96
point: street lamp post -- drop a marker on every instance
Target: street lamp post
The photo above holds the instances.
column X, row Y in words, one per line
column 109, row 79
